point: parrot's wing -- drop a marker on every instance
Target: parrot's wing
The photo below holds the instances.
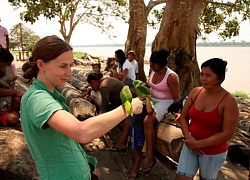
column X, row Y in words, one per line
column 126, row 98
column 142, row 90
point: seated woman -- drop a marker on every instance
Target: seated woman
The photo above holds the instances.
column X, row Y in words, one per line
column 126, row 72
column 164, row 87
column 9, row 97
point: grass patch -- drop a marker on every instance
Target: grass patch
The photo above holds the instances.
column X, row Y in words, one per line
column 241, row 94
column 14, row 53
column 78, row 54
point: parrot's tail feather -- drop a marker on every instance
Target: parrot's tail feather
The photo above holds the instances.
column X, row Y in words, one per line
column 128, row 108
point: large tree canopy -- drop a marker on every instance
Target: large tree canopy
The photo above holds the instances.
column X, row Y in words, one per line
column 70, row 13
column 181, row 22
column 223, row 18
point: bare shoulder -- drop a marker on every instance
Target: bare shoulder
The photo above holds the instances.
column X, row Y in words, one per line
column 230, row 100
column 173, row 77
column 195, row 91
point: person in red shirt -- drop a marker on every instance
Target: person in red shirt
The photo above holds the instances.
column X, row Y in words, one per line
column 208, row 120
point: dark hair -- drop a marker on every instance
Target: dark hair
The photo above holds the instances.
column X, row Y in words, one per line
column 46, row 49
column 218, row 66
column 94, row 76
column 96, row 64
column 5, row 55
column 160, row 57
column 121, row 56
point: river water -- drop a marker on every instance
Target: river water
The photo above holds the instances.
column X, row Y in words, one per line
column 238, row 59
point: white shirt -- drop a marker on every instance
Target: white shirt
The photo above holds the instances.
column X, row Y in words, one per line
column 130, row 67
column 135, row 64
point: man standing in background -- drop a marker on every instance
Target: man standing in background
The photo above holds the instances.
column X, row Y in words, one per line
column 131, row 58
column 4, row 37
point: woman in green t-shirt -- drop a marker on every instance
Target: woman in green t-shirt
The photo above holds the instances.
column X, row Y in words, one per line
column 51, row 131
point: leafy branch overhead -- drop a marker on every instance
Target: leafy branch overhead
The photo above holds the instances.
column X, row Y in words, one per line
column 69, row 13
column 223, row 17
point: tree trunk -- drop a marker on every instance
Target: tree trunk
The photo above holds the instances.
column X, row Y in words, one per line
column 178, row 33
column 137, row 32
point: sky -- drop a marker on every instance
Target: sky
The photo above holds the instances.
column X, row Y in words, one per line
column 85, row 34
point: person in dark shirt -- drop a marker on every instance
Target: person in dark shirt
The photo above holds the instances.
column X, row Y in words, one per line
column 109, row 88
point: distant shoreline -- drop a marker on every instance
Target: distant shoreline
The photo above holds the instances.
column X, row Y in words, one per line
column 199, row 44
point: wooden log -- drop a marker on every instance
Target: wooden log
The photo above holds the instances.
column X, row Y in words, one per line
column 80, row 107
column 169, row 138
column 91, row 59
column 83, row 74
column 15, row 156
column 21, row 84
column 78, row 84
column 82, row 61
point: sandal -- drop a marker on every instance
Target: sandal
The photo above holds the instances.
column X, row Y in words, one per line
column 132, row 177
column 147, row 167
column 116, row 149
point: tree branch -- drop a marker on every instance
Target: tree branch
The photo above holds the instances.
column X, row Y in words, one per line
column 221, row 3
column 152, row 4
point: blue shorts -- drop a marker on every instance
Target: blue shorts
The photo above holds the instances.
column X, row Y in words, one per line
column 128, row 82
column 208, row 165
column 136, row 139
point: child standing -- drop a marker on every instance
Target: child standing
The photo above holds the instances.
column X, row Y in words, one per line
column 96, row 67
column 136, row 138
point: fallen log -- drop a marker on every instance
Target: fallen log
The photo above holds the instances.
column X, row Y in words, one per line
column 169, row 138
column 78, row 84
column 82, row 74
column 80, row 107
column 16, row 157
column 91, row 59
column 21, row 84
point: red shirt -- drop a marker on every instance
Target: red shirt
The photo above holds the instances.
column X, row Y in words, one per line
column 204, row 125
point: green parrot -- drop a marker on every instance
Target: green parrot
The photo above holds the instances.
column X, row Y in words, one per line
column 126, row 97
column 142, row 90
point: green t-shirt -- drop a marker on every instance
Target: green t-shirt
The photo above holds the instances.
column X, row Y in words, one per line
column 57, row 156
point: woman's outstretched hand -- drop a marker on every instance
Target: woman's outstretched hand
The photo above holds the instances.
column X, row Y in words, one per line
column 136, row 106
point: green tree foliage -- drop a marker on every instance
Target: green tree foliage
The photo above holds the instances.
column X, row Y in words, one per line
column 222, row 17
column 21, row 35
column 69, row 13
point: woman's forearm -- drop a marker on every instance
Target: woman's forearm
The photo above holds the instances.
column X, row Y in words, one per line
column 96, row 126
column 184, row 127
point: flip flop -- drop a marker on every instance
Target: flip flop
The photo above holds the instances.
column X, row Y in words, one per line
column 116, row 149
column 147, row 167
column 132, row 177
